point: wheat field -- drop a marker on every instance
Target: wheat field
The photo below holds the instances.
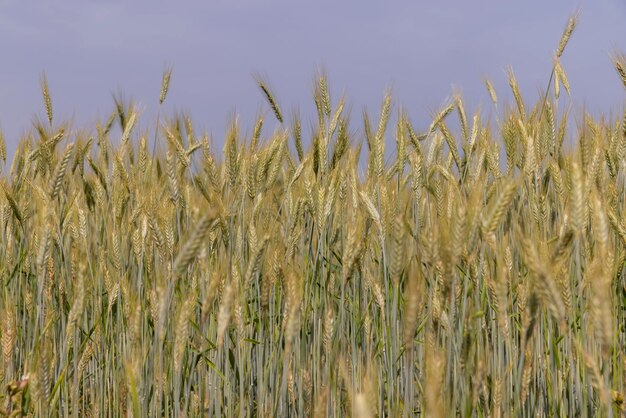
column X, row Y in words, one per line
column 470, row 268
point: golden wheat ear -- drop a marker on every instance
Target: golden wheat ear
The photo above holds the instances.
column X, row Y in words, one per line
column 567, row 33
column 165, row 84
column 46, row 97
column 265, row 89
column 619, row 62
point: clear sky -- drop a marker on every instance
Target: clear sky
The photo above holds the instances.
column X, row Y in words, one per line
column 423, row 50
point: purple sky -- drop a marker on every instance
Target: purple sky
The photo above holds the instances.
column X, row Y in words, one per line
column 423, row 50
